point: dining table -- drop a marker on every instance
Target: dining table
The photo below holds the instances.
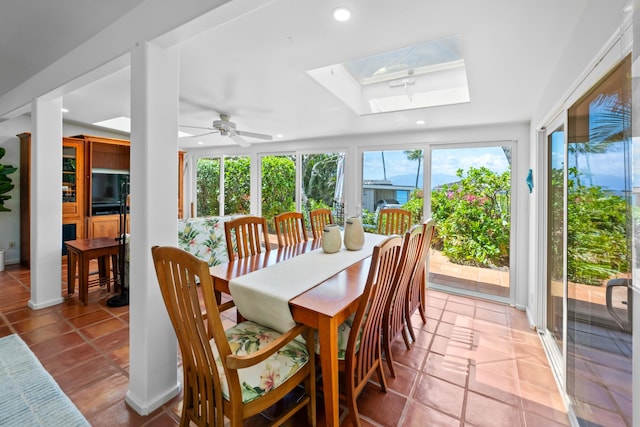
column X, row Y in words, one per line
column 326, row 291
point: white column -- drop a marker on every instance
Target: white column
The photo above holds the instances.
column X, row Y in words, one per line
column 154, row 212
column 46, row 202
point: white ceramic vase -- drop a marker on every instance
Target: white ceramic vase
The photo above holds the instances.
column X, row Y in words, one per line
column 353, row 233
column 331, row 238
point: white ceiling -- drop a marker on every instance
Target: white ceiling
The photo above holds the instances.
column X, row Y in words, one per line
column 254, row 67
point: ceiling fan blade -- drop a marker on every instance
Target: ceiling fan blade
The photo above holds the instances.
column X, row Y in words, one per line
column 255, row 135
column 196, row 127
column 238, row 140
column 199, row 135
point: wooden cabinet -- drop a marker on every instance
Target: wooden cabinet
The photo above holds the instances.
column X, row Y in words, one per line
column 82, row 156
column 72, row 192
column 73, row 180
column 105, row 226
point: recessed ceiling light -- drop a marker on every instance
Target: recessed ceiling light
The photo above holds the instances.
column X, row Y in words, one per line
column 279, row 135
column 341, row 14
column 420, row 122
column 200, row 142
column 64, row 110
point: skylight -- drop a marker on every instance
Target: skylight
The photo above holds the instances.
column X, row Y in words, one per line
column 123, row 124
column 423, row 75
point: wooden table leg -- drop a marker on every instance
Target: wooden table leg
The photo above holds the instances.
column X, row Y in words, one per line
column 83, row 281
column 328, row 333
column 71, row 271
column 115, row 266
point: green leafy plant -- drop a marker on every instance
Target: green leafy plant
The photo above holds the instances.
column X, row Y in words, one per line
column 5, row 182
column 473, row 217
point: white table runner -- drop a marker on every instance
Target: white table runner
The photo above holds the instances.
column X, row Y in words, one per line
column 263, row 296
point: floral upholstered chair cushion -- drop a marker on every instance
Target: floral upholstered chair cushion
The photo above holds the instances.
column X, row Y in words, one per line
column 247, row 338
column 204, row 238
column 343, row 337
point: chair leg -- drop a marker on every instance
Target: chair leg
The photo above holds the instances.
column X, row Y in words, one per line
column 405, row 336
column 352, row 407
column 381, row 378
column 387, row 351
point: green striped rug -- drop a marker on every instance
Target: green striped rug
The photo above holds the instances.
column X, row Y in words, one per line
column 29, row 396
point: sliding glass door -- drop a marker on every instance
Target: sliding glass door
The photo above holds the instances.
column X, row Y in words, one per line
column 589, row 215
column 471, row 193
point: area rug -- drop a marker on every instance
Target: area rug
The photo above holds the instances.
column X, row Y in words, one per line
column 29, row 396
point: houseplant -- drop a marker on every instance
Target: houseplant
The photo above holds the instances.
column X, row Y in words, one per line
column 5, row 187
column 5, row 182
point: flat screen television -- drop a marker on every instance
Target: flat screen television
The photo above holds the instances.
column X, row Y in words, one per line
column 107, row 190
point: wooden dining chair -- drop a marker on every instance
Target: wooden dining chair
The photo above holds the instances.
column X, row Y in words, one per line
column 235, row 373
column 246, row 236
column 394, row 322
column 319, row 218
column 359, row 350
column 393, row 221
column 290, row 228
column 417, row 291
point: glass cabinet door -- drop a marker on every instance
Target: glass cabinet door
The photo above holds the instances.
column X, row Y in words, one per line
column 69, row 174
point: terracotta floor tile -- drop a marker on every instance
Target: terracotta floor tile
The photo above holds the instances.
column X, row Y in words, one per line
column 462, row 307
column 449, row 368
column 423, row 338
column 100, row 329
column 113, row 341
column 419, row 416
column 383, row 408
column 404, row 381
column 461, row 361
column 482, row 411
column 111, row 391
column 89, row 318
column 441, row 395
column 490, row 381
column 44, row 333
column 56, row 345
column 541, row 401
column 535, row 374
column 69, row 359
column 119, row 414
column 83, row 375
column 491, row 316
column 413, row 358
column 36, row 322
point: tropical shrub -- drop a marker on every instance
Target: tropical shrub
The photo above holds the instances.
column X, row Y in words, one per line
column 237, row 182
column 278, row 185
column 473, row 218
column 596, row 233
column 208, row 187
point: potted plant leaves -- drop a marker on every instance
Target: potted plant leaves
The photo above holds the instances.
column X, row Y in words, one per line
column 5, row 182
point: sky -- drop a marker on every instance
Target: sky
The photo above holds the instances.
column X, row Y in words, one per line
column 445, row 163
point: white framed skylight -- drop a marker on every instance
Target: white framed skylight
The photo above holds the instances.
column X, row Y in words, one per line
column 424, row 75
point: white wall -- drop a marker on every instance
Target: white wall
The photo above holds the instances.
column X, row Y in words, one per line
column 10, row 221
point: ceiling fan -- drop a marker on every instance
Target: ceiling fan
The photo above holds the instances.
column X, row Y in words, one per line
column 225, row 127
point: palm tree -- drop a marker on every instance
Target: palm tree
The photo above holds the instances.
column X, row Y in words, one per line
column 384, row 166
column 415, row 155
column 611, row 119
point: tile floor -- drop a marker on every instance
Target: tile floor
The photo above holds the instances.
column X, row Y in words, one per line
column 474, row 363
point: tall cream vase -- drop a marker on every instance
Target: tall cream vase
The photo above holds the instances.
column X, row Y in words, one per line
column 353, row 233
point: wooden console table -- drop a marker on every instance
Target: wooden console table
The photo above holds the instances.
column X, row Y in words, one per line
column 80, row 253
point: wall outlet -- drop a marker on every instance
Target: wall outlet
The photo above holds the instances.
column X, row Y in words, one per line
column 12, row 245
